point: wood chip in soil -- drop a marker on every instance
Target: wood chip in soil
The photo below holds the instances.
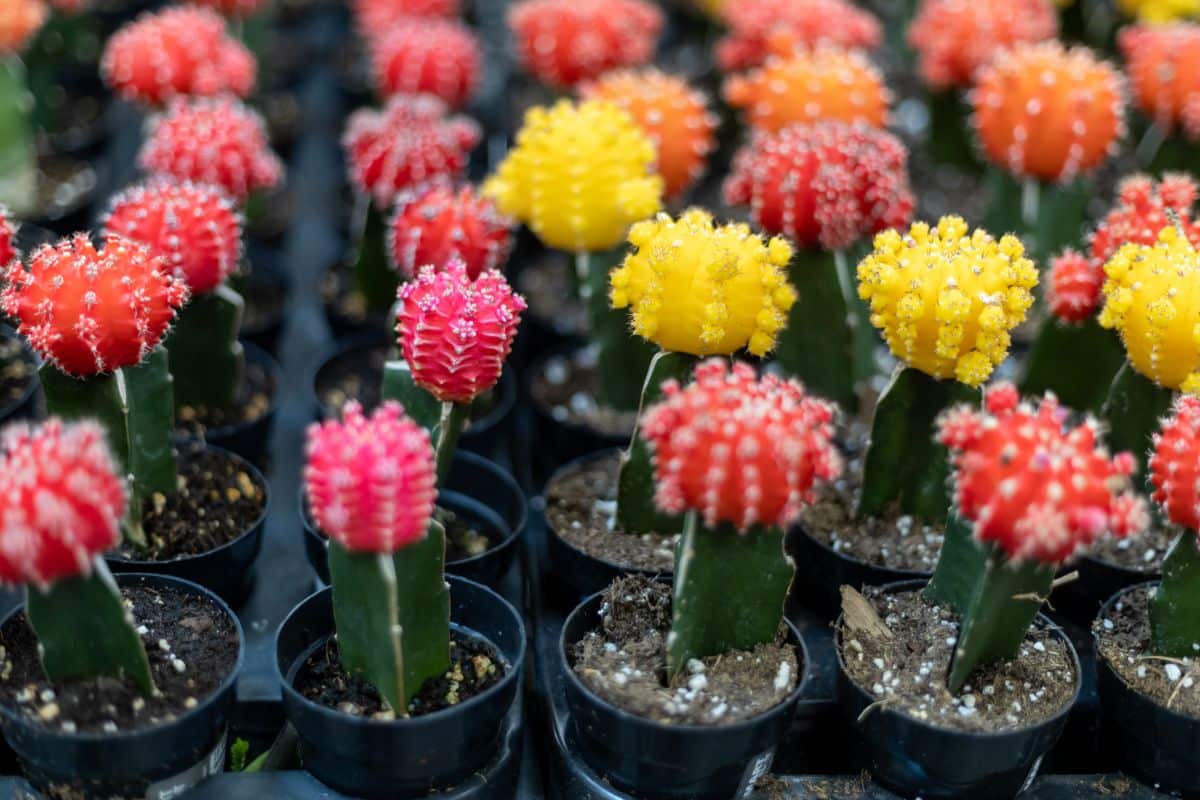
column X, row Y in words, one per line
column 625, row 663
column 907, row 671
column 191, row 644
column 581, row 508
column 1123, row 635
column 566, row 389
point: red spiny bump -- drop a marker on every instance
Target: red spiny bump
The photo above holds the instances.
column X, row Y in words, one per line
column 739, row 449
column 1175, row 464
column 1047, row 112
column 19, row 21
column 437, row 224
column 1073, row 293
column 954, row 38
column 193, row 226
column 675, row 116
column 804, row 23
column 8, row 247
column 563, row 42
column 89, row 311
column 412, row 141
column 1144, row 207
column 825, row 185
column 63, row 501
column 370, row 481
column 373, row 17
column 219, row 141
column 455, row 332
column 427, row 55
column 239, row 9
column 177, row 52
column 1163, row 65
column 1030, row 484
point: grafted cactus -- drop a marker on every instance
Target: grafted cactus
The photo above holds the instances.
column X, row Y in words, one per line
column 1164, row 74
column 371, row 485
column 1175, row 476
column 372, row 17
column 19, row 21
column 738, row 456
column 436, row 224
column 415, row 55
column 1034, row 492
column 807, row 23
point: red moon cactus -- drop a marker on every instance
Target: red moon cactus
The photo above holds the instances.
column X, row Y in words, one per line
column 428, row 55
column 439, row 224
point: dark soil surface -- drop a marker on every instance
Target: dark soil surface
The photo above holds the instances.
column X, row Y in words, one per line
column 345, row 301
column 907, row 671
column 546, row 285
column 17, row 371
column 1144, row 553
column 1123, row 636
column 475, row 666
column 250, row 403
column 192, row 646
column 581, row 508
column 625, row 662
column 566, row 390
column 266, row 297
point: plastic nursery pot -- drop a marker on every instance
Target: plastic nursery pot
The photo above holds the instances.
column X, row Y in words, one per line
column 1080, row 600
column 403, row 758
column 226, row 570
column 1159, row 746
column 360, row 362
column 250, row 439
column 18, row 396
column 155, row 762
column 343, row 308
column 821, row 571
column 916, row 759
column 476, row 489
column 657, row 761
column 265, row 287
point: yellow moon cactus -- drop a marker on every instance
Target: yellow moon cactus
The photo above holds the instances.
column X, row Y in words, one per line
column 704, row 289
column 945, row 298
column 1152, row 299
column 579, row 175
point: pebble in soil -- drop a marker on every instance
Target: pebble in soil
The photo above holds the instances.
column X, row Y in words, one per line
column 625, row 663
column 581, row 509
column 907, row 671
column 1123, row 638
column 566, row 389
column 475, row 667
column 191, row 644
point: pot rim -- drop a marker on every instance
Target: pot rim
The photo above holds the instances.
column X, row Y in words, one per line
column 256, row 354
column 802, row 530
column 538, row 366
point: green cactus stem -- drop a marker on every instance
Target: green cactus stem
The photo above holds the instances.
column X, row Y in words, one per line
column 444, row 421
column 392, row 616
column 136, row 409
column 1003, row 605
column 623, row 358
column 960, row 566
column 1076, row 362
column 1046, row 217
column 207, row 360
column 84, row 630
column 1175, row 608
column 636, row 511
column 818, row 345
column 729, row 590
column 904, row 465
column 373, row 275
column 18, row 150
column 1134, row 406
column 950, row 140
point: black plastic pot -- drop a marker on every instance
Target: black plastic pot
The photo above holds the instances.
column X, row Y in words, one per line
column 140, row 763
column 407, row 757
column 476, row 488
column 346, row 327
column 916, row 759
column 1159, row 746
column 24, row 406
column 822, row 571
column 226, row 570
column 1080, row 600
column 669, row 762
column 250, row 439
column 266, row 279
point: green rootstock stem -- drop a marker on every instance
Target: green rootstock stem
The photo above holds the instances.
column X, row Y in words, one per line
column 1076, row 362
column 950, row 137
column 18, row 151
column 1175, row 609
column 392, row 615
column 85, row 631
column 1162, row 152
column 1003, row 605
column 1046, row 217
column 444, row 421
column 373, row 275
column 960, row 566
column 1134, row 406
column 904, row 464
column 817, row 346
column 207, row 360
column 636, row 511
column 453, row 419
column 622, row 357
column 729, row 591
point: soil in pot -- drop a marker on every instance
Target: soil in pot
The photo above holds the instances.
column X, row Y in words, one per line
column 1143, row 553
column 547, row 286
column 1123, row 638
column 625, row 662
column 251, row 403
column 16, row 371
column 475, row 666
column 192, row 646
column 265, row 296
column 906, row 671
column 216, row 502
column 345, row 303
column 581, row 509
column 566, row 389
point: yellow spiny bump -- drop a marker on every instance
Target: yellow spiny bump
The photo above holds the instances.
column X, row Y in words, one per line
column 579, row 175
column 704, row 289
column 945, row 298
column 1152, row 299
